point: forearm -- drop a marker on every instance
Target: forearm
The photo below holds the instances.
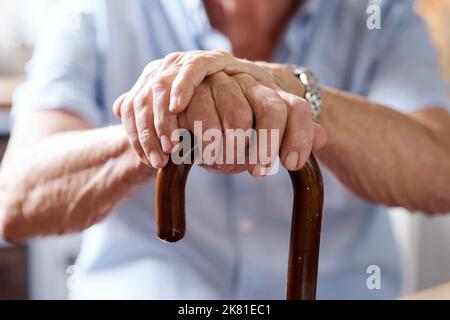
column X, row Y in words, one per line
column 67, row 182
column 383, row 155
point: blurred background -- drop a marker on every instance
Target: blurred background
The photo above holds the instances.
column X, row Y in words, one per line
column 41, row 269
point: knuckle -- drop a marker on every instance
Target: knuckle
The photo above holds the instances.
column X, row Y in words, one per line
column 139, row 103
column 301, row 105
column 219, row 84
column 221, row 53
column 149, row 68
column 239, row 119
column 160, row 83
column 145, row 134
column 244, row 81
column 274, row 106
column 202, row 93
column 233, row 118
column 199, row 59
column 272, row 101
column 162, row 122
column 172, row 57
column 140, row 110
column 244, row 77
column 146, row 139
column 158, row 118
column 127, row 109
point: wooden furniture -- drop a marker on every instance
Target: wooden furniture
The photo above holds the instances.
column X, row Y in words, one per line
column 305, row 229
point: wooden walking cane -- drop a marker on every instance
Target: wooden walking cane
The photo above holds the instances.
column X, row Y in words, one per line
column 305, row 229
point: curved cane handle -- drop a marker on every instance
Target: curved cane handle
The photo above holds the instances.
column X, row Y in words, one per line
column 305, row 229
column 170, row 211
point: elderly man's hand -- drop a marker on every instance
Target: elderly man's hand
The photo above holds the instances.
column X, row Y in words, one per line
column 223, row 93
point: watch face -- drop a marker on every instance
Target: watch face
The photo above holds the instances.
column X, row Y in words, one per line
column 308, row 79
column 304, row 78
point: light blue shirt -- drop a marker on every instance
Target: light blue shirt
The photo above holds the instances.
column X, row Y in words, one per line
column 237, row 226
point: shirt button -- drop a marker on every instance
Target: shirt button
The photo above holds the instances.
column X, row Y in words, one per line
column 246, row 225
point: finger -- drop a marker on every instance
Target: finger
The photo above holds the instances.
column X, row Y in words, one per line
column 144, row 121
column 165, row 122
column 298, row 138
column 202, row 112
column 129, row 124
column 150, row 70
column 199, row 65
column 171, row 59
column 232, row 106
column 270, row 114
column 118, row 104
column 235, row 114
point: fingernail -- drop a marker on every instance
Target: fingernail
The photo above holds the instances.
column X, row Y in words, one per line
column 260, row 171
column 155, row 159
column 291, row 160
column 166, row 144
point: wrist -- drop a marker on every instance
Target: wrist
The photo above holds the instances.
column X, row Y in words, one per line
column 312, row 89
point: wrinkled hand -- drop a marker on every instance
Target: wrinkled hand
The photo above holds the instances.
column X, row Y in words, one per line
column 224, row 93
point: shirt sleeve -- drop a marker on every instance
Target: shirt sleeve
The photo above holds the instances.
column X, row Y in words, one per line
column 63, row 72
column 407, row 76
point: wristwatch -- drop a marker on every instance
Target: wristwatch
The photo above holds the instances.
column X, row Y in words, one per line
column 313, row 92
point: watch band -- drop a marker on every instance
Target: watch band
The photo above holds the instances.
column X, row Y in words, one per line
column 313, row 92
